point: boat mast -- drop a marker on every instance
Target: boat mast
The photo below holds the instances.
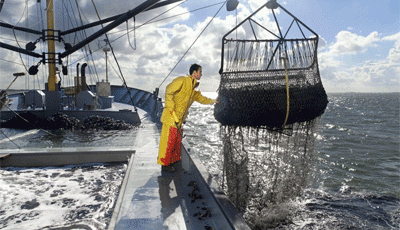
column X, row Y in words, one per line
column 51, row 35
column 51, row 46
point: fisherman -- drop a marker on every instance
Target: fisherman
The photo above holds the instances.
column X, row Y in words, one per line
column 179, row 96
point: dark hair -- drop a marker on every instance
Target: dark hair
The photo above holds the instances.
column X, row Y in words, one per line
column 194, row 67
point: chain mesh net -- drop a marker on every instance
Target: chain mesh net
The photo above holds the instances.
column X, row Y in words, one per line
column 264, row 168
column 252, row 95
column 270, row 100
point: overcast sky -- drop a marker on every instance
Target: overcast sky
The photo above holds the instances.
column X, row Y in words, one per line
column 359, row 48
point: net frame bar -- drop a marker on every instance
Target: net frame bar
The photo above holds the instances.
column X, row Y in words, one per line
column 281, row 38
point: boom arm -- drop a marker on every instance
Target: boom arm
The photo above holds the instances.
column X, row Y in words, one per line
column 115, row 21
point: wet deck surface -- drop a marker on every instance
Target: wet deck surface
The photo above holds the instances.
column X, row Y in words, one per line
column 151, row 199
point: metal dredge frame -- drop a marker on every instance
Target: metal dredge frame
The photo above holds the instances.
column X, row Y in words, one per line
column 281, row 38
column 256, row 76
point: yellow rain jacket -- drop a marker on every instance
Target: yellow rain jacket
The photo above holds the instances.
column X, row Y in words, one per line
column 179, row 96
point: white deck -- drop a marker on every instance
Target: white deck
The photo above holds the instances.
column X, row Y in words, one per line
column 149, row 200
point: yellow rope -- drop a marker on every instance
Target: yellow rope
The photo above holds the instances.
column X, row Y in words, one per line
column 287, row 94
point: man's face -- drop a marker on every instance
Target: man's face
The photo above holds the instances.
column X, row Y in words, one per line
column 197, row 74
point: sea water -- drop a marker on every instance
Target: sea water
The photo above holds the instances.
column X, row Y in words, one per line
column 68, row 197
column 73, row 197
column 355, row 183
column 356, row 179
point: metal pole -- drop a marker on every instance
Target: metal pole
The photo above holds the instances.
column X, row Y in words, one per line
column 16, row 75
column 20, row 50
column 106, row 49
column 51, row 46
column 6, row 25
column 106, row 68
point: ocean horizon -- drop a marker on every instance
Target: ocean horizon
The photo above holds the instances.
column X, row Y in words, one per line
column 354, row 183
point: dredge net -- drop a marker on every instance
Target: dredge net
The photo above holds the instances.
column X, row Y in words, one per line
column 270, row 100
column 264, row 168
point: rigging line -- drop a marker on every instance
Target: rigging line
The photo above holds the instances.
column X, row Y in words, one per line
column 39, row 9
column 17, row 63
column 40, row 23
column 134, row 33
column 112, row 51
column 47, row 6
column 16, row 113
column 63, row 17
column 85, row 35
column 26, row 120
column 148, row 22
column 115, row 58
column 1, row 130
column 192, row 44
column 23, row 12
column 12, row 40
column 32, row 25
column 20, row 56
column 201, row 8
column 28, row 59
column 70, row 22
column 154, row 21
column 123, row 78
column 29, row 122
column 75, row 19
column 15, row 36
column 116, row 72
column 162, row 19
column 108, row 43
column 27, row 35
column 236, row 23
column 93, row 66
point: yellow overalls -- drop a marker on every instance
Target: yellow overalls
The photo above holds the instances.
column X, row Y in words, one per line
column 179, row 96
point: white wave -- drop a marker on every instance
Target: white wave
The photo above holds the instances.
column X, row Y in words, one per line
column 39, row 197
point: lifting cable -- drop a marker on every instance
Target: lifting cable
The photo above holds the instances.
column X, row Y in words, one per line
column 192, row 44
